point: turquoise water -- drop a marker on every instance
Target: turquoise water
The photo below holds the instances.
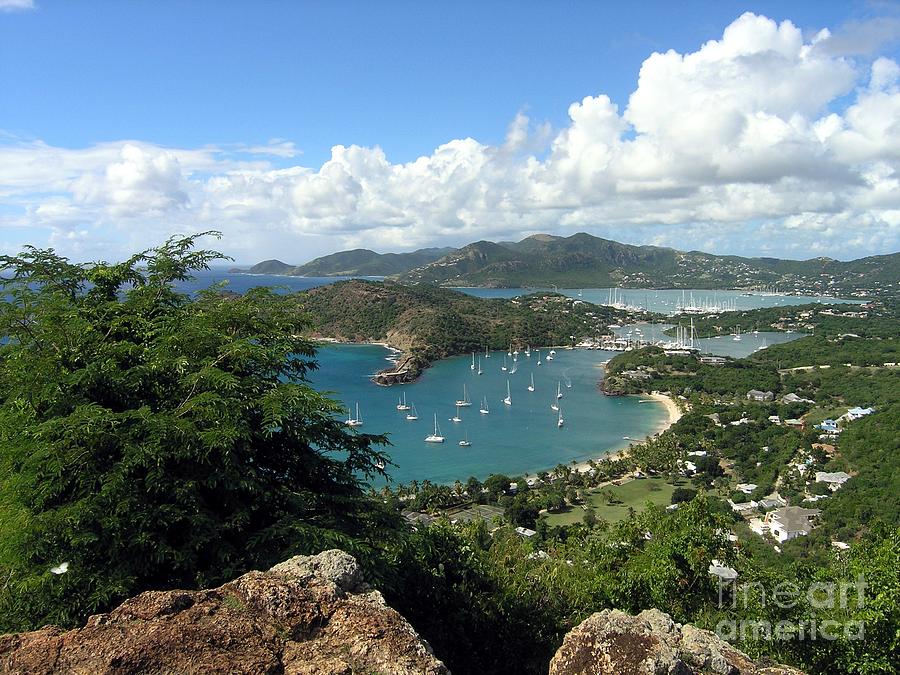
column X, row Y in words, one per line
column 516, row 439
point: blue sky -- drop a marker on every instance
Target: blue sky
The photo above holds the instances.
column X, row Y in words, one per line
column 137, row 119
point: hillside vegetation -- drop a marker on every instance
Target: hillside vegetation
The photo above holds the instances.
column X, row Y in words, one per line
column 434, row 322
column 359, row 262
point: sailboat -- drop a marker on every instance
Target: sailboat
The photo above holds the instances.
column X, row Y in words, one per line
column 559, row 393
column 456, row 417
column 484, row 410
column 464, row 402
column 436, row 436
column 472, row 367
column 509, row 353
column 354, row 421
column 514, row 369
column 559, row 418
column 737, row 335
column 487, row 354
column 550, row 355
column 531, row 386
column 401, row 405
column 465, row 442
column 554, row 405
column 508, row 399
column 503, row 367
column 479, row 366
column 528, row 351
column 412, row 414
column 539, row 357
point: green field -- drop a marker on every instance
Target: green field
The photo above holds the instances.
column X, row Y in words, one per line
column 634, row 494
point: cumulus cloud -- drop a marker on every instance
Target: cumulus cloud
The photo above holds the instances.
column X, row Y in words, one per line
column 761, row 141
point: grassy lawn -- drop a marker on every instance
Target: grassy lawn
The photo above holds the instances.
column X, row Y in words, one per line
column 634, row 494
column 817, row 415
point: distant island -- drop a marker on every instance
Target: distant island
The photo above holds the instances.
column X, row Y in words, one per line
column 586, row 261
column 427, row 323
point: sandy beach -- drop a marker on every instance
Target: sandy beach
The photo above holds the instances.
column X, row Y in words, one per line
column 673, row 415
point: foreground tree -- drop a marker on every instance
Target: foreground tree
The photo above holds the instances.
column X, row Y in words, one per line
column 153, row 440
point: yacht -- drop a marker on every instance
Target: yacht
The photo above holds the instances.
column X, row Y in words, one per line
column 531, row 386
column 401, row 404
column 550, row 357
column 559, row 393
column 539, row 357
column 487, row 354
column 412, row 414
column 472, row 367
column 503, row 367
column 436, row 436
column 559, row 419
column 456, row 417
column 484, row 410
column 464, row 402
column 554, row 406
column 480, row 371
column 465, row 442
column 354, row 421
column 737, row 335
column 508, row 399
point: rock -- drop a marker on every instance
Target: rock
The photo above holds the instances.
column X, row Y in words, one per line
column 307, row 615
column 615, row 643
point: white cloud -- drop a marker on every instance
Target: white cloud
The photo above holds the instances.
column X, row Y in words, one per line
column 16, row 5
column 723, row 147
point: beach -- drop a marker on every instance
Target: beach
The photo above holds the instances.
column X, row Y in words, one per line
column 673, row 414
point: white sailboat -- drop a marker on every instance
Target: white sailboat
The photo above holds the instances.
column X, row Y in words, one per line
column 503, row 367
column 509, row 353
column 559, row 393
column 550, row 355
column 559, row 419
column 508, row 399
column 465, row 442
column 464, row 402
column 554, row 406
column 539, row 357
column 479, row 366
column 401, row 404
column 528, row 351
column 487, row 354
column 354, row 421
column 412, row 414
column 484, row 410
column 737, row 335
column 456, row 417
column 436, row 436
column 531, row 386
column 472, row 367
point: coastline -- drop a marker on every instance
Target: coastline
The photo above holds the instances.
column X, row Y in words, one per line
column 673, row 414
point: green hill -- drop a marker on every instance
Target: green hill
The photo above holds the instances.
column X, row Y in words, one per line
column 359, row 262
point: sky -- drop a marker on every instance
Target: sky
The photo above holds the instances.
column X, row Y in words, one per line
column 301, row 128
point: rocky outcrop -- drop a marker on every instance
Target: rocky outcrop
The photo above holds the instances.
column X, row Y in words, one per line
column 615, row 643
column 308, row 615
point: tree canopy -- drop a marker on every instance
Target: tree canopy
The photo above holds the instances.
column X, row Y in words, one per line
column 151, row 439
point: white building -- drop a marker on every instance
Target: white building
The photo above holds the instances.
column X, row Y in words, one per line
column 834, row 480
column 790, row 522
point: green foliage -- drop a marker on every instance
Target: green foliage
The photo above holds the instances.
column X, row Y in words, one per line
column 153, row 441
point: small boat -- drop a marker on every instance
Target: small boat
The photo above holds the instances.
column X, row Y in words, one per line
column 559, row 393
column 503, row 367
column 509, row 353
column 401, row 405
column 559, row 419
column 539, row 357
column 480, row 371
column 436, row 436
column 354, row 421
column 554, row 406
column 464, row 402
column 487, row 354
column 472, row 367
column 552, row 352
column 412, row 414
column 456, row 417
column 528, row 351
column 549, row 357
column 737, row 335
column 508, row 399
column 484, row 410
column 465, row 442
column 531, row 386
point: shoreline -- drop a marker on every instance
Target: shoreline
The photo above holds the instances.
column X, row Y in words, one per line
column 673, row 414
